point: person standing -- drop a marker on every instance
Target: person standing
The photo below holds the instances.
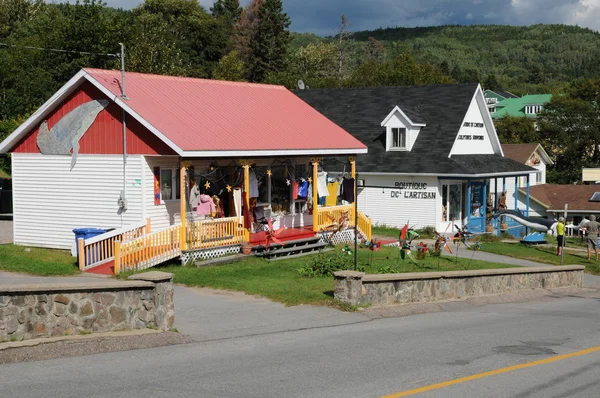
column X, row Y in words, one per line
column 591, row 227
column 560, row 235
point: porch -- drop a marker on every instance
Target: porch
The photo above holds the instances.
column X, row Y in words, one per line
column 223, row 230
column 471, row 202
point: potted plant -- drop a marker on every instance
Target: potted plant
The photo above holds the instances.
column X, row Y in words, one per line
column 246, row 248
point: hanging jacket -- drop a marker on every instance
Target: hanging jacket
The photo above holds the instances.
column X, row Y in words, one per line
column 206, row 206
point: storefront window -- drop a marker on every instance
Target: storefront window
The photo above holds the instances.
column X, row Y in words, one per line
column 451, row 202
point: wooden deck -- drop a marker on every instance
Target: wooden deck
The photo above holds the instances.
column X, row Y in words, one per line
column 260, row 238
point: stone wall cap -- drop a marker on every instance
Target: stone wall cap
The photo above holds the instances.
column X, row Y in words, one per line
column 471, row 273
column 349, row 274
column 152, row 276
column 75, row 287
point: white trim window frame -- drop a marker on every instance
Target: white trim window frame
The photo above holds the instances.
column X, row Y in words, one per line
column 169, row 184
column 399, row 141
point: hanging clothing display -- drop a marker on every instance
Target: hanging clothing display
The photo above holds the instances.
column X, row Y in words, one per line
column 247, row 213
column 253, row 185
column 303, row 189
column 206, row 206
column 348, row 190
column 333, row 188
column 322, row 183
column 194, row 196
column 295, row 191
column 237, row 203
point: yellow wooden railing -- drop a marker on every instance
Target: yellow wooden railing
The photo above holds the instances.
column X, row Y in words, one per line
column 365, row 226
column 329, row 217
column 213, row 233
column 149, row 250
column 100, row 249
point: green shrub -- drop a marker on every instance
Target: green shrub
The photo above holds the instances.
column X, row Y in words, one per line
column 388, row 269
column 426, row 233
column 489, row 238
column 435, row 253
column 325, row 264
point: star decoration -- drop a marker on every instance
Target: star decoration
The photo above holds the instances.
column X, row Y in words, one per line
column 207, row 185
column 228, row 188
column 288, row 182
column 303, row 180
column 269, row 173
column 310, row 180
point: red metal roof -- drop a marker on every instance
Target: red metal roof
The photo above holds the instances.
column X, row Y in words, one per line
column 212, row 115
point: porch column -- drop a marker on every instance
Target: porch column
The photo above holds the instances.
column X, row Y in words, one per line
column 517, row 193
column 182, row 204
column 496, row 194
column 468, row 207
column 315, row 164
column 527, row 198
column 352, row 161
column 246, row 166
column 484, row 206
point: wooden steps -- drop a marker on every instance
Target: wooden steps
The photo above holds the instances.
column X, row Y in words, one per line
column 290, row 249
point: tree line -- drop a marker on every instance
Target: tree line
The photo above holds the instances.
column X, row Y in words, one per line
column 254, row 44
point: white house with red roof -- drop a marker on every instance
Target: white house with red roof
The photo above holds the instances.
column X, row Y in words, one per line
column 126, row 155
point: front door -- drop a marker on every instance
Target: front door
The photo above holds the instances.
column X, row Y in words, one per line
column 476, row 218
column 451, row 207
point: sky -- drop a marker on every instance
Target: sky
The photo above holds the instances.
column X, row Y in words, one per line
column 322, row 16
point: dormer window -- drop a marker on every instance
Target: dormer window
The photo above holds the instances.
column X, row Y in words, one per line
column 399, row 138
column 402, row 132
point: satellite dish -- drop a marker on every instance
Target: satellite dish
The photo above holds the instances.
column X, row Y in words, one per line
column 300, row 84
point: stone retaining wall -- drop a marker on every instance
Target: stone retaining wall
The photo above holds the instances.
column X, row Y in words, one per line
column 357, row 288
column 44, row 310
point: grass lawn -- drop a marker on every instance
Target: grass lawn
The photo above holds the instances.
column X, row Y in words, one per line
column 280, row 280
column 37, row 261
column 391, row 232
column 543, row 254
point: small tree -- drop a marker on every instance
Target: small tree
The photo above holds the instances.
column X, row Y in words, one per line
column 230, row 67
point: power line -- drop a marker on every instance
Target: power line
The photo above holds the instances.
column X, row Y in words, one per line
column 59, row 50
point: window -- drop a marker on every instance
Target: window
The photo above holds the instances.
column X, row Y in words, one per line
column 538, row 177
column 399, row 138
column 532, row 109
column 169, row 184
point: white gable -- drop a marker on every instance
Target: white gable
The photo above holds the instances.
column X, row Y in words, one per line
column 477, row 135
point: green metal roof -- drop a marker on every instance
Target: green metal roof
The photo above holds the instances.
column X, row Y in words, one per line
column 516, row 106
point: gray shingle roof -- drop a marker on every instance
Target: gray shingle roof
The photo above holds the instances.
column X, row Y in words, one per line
column 441, row 107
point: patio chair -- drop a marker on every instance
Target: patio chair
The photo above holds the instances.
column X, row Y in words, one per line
column 261, row 223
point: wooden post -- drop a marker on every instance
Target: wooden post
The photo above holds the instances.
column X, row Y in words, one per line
column 246, row 166
column 117, row 252
column 352, row 160
column 148, row 225
column 315, row 193
column 81, row 253
column 182, row 204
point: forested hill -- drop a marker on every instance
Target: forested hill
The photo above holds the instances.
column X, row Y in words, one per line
column 522, row 58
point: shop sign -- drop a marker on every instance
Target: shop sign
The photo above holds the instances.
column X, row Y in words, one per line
column 412, row 190
column 470, row 137
column 473, row 124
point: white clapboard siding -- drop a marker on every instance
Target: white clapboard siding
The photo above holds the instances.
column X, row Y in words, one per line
column 50, row 200
column 383, row 209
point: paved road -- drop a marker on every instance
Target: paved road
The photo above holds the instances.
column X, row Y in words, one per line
column 359, row 359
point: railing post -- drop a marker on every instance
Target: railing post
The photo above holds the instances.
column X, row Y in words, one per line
column 81, row 253
column 117, row 251
column 148, row 225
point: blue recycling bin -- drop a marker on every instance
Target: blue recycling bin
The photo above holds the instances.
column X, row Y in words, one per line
column 86, row 233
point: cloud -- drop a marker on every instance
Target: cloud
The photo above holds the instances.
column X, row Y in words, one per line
column 323, row 16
